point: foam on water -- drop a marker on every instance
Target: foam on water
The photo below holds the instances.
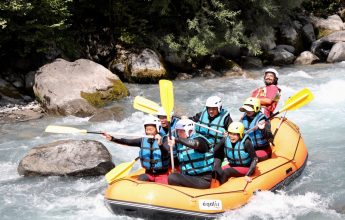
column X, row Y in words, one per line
column 300, row 74
column 268, row 205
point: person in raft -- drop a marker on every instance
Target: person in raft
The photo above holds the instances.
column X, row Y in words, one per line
column 195, row 157
column 213, row 116
column 260, row 126
column 269, row 95
column 162, row 115
column 240, row 153
column 153, row 156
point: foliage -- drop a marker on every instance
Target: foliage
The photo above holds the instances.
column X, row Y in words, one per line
column 29, row 28
column 190, row 28
column 324, row 8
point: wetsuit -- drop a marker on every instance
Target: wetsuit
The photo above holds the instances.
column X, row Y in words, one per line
column 199, row 177
column 154, row 174
column 234, row 169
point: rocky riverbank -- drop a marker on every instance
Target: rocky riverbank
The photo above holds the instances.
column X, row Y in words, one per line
column 11, row 113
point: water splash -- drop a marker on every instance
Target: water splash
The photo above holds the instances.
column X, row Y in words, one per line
column 268, row 205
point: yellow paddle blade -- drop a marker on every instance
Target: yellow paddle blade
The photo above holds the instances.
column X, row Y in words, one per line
column 298, row 100
column 63, row 129
column 145, row 105
column 120, row 171
column 167, row 96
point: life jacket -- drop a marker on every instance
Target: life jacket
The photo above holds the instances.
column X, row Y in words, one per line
column 217, row 123
column 163, row 134
column 151, row 156
column 262, row 92
column 172, row 127
column 258, row 140
column 193, row 162
column 236, row 153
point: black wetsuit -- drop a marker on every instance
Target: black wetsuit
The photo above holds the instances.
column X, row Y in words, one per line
column 137, row 143
column 224, row 175
column 201, row 181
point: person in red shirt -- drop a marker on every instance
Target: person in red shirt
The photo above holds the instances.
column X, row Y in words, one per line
column 269, row 95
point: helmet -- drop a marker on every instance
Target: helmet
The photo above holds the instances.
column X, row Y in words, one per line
column 214, row 101
column 185, row 124
column 161, row 112
column 251, row 104
column 271, row 70
column 237, row 128
column 151, row 120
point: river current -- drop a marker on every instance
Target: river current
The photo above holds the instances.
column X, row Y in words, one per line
column 319, row 193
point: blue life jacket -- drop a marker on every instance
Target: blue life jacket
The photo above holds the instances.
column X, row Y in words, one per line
column 258, row 140
column 172, row 127
column 163, row 134
column 193, row 162
column 151, row 156
column 217, row 123
column 236, row 153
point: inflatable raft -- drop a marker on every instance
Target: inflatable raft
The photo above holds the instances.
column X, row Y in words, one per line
column 128, row 196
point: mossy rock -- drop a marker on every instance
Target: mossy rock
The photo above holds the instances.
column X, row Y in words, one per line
column 324, row 32
column 102, row 98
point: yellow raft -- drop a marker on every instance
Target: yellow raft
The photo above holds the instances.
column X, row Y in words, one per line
column 128, row 196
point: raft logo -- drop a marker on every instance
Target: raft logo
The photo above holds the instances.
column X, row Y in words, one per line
column 210, row 204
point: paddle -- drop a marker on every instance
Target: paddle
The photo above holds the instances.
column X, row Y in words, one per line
column 120, row 171
column 70, row 130
column 166, row 92
column 301, row 98
column 145, row 105
column 150, row 107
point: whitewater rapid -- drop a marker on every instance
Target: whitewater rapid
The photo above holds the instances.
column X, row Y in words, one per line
column 319, row 193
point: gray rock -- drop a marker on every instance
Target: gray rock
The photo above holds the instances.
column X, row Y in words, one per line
column 76, row 88
column 288, row 48
column 333, row 23
column 145, row 66
column 337, row 53
column 322, row 47
column 183, row 76
column 306, row 58
column 67, row 157
column 30, row 80
column 281, row 57
column 290, row 36
column 251, row 62
column 308, row 33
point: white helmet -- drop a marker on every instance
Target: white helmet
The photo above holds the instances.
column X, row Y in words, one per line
column 214, row 101
column 185, row 124
column 161, row 112
column 271, row 70
column 151, row 120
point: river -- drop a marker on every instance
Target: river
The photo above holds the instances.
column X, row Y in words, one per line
column 319, row 193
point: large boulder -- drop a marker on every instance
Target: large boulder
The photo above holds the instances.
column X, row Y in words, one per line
column 327, row 26
column 306, row 58
column 290, row 35
column 143, row 67
column 322, row 47
column 337, row 53
column 280, row 57
column 67, row 157
column 76, row 88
